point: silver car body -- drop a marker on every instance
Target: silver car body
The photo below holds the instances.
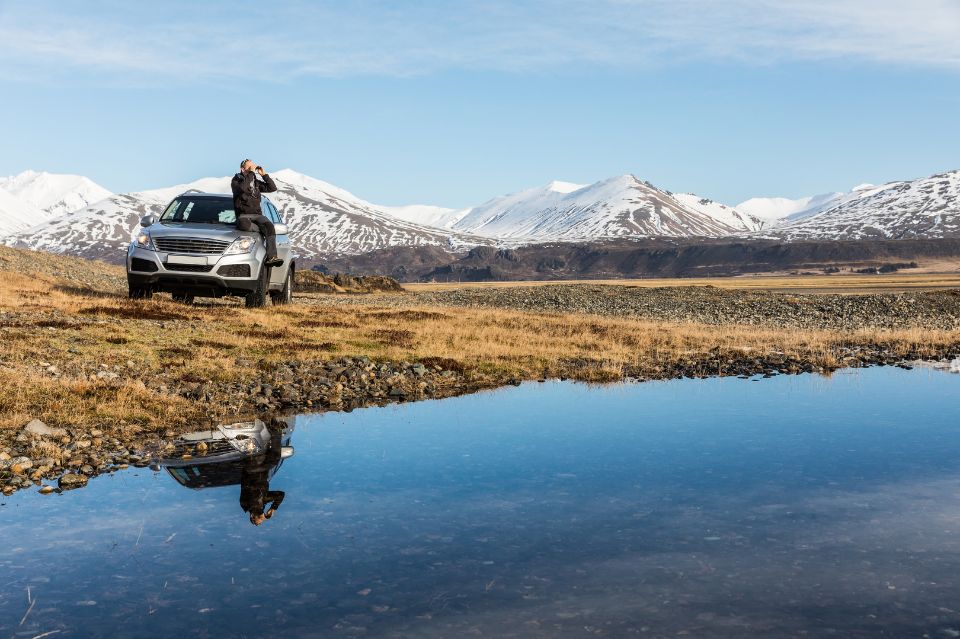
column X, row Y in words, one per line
column 189, row 258
column 204, row 459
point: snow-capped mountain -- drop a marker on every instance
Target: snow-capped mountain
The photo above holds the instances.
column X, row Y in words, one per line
column 438, row 216
column 52, row 193
column 781, row 210
column 727, row 214
column 924, row 208
column 619, row 207
column 327, row 220
column 323, row 220
column 31, row 198
column 775, row 210
column 16, row 215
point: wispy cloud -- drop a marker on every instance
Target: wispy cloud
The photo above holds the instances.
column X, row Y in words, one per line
column 282, row 40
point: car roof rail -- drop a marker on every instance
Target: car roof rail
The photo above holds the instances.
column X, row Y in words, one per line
column 191, row 191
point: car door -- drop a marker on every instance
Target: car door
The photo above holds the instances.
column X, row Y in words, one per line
column 283, row 246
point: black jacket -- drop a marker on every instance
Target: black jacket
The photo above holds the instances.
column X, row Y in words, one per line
column 246, row 192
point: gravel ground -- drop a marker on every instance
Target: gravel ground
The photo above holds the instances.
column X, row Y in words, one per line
column 707, row 305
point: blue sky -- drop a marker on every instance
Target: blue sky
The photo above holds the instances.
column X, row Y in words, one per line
column 453, row 103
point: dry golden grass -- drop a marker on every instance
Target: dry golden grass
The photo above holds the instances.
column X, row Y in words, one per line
column 809, row 283
column 45, row 322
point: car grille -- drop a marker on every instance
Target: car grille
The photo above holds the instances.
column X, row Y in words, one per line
column 190, row 245
column 211, row 447
column 189, row 268
column 234, row 270
column 142, row 265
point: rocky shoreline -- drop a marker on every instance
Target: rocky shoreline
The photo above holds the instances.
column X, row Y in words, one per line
column 55, row 460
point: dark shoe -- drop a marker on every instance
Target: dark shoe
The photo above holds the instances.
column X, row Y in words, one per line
column 273, row 261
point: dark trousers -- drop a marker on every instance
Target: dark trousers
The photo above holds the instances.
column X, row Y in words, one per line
column 247, row 222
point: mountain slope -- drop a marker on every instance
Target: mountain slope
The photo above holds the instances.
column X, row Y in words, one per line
column 619, row 207
column 437, row 216
column 726, row 214
column 924, row 208
column 780, row 210
column 17, row 215
column 54, row 194
column 327, row 220
column 323, row 219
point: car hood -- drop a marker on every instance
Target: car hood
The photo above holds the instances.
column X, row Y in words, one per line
column 206, row 231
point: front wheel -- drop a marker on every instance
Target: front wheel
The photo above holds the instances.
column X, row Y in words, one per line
column 139, row 292
column 258, row 297
column 284, row 295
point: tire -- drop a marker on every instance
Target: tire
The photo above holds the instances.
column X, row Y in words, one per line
column 139, row 293
column 185, row 298
column 258, row 297
column 284, row 295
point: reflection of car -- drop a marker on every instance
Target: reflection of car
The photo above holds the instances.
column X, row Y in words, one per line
column 209, row 458
column 195, row 249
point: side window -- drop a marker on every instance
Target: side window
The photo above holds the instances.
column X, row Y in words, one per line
column 274, row 215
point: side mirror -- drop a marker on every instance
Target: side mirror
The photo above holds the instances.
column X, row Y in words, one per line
column 148, row 220
column 280, row 229
column 286, row 451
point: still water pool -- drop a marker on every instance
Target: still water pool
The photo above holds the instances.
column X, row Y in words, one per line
column 793, row 506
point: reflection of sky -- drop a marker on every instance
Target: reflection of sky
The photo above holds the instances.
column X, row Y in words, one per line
column 721, row 507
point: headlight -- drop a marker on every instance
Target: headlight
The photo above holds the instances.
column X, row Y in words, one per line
column 144, row 241
column 240, row 245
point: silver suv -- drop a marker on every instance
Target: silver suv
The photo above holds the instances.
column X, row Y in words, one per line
column 195, row 249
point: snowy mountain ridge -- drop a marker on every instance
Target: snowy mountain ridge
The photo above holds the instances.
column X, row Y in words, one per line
column 323, row 220
column 618, row 207
column 924, row 208
column 31, row 198
column 326, row 220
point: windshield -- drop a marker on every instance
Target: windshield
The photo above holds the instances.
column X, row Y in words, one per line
column 200, row 210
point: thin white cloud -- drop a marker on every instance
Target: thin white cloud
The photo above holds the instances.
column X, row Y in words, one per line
column 283, row 40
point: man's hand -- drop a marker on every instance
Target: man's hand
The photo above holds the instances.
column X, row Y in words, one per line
column 260, row 171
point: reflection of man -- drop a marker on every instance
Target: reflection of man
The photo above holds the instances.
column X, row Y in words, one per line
column 255, row 493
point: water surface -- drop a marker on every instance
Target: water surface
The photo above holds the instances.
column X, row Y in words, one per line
column 793, row 506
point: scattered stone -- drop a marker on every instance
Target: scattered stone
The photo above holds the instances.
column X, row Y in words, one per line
column 71, row 481
column 46, row 490
column 20, row 464
column 39, row 429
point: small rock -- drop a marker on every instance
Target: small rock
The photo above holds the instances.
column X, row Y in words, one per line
column 46, row 490
column 71, row 481
column 38, row 428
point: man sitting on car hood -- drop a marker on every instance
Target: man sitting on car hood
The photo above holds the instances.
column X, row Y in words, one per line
column 246, row 204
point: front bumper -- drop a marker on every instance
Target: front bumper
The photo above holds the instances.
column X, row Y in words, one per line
column 211, row 276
